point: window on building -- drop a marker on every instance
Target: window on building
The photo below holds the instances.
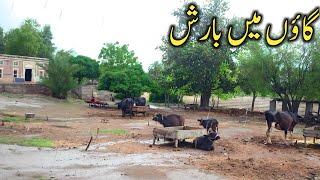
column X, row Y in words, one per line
column 1, row 72
column 1, row 62
column 15, row 73
column 15, row 63
column 41, row 73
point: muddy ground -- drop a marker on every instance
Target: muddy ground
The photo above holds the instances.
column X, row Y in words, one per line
column 239, row 154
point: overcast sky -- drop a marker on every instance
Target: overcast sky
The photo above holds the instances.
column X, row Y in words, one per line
column 84, row 25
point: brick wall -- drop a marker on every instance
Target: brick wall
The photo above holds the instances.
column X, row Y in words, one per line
column 86, row 92
column 25, row 89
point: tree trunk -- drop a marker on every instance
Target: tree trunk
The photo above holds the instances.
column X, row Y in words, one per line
column 285, row 106
column 218, row 102
column 253, row 101
column 318, row 109
column 205, row 99
column 295, row 106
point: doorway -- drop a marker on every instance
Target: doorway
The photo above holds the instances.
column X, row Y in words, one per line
column 28, row 75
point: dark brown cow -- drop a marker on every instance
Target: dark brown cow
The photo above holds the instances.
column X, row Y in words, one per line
column 283, row 121
column 170, row 120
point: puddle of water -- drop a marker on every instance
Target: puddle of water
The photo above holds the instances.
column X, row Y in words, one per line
column 76, row 163
column 192, row 174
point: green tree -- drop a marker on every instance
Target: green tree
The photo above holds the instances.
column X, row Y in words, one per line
column 162, row 86
column 290, row 70
column 87, row 68
column 2, row 45
column 250, row 71
column 121, row 72
column 59, row 75
column 47, row 46
column 195, row 66
column 29, row 40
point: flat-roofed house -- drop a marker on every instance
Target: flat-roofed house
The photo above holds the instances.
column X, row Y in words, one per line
column 21, row 69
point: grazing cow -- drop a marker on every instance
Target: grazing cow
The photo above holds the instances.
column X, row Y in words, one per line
column 140, row 101
column 206, row 142
column 170, row 120
column 209, row 123
column 126, row 106
column 283, row 121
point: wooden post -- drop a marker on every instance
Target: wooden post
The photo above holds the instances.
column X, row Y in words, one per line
column 89, row 143
column 273, row 105
column 309, row 108
column 305, row 141
column 176, row 143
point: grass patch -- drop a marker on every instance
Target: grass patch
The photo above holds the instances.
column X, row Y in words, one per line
column 12, row 119
column 113, row 131
column 31, row 142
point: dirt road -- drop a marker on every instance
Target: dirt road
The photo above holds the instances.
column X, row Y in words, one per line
column 123, row 149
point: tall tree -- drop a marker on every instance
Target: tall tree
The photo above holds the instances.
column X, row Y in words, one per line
column 47, row 48
column 29, row 40
column 162, row 85
column 250, row 70
column 121, row 72
column 289, row 70
column 59, row 74
column 196, row 66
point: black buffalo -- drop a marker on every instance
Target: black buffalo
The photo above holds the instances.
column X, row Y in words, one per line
column 210, row 123
column 170, row 120
column 126, row 106
column 206, row 142
column 285, row 121
column 140, row 101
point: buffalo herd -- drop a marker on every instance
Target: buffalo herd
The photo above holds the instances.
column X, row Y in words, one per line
column 284, row 121
column 204, row 142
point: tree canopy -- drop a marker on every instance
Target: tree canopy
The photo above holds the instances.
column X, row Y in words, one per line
column 196, row 66
column 250, row 70
column 121, row 72
column 29, row 40
column 87, row 68
column 59, row 74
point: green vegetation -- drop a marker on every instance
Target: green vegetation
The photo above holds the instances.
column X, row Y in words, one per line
column 87, row 68
column 28, row 40
column 251, row 77
column 113, row 131
column 162, row 86
column 59, row 75
column 12, row 119
column 290, row 72
column 199, row 68
column 32, row 142
column 121, row 72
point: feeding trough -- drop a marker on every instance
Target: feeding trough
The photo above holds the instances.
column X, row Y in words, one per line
column 311, row 132
column 178, row 133
column 29, row 115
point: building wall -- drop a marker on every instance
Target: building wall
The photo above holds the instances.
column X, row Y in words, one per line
column 25, row 89
column 20, row 63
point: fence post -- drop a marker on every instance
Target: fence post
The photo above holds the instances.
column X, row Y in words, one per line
column 273, row 105
column 309, row 108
